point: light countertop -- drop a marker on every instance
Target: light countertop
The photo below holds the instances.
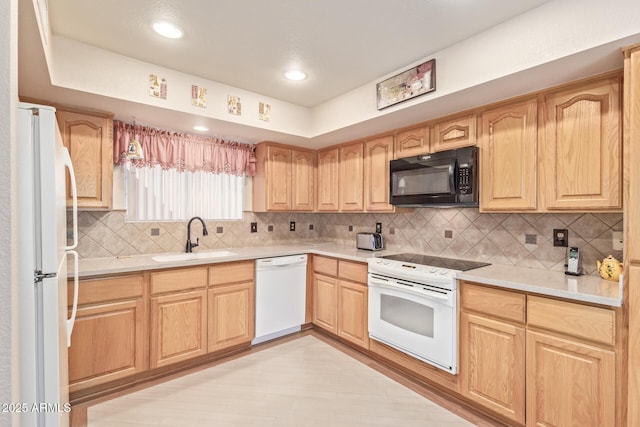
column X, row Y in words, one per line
column 591, row 289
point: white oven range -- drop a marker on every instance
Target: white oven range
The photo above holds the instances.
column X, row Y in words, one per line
column 413, row 305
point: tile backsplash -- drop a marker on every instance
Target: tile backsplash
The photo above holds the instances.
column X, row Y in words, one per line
column 491, row 237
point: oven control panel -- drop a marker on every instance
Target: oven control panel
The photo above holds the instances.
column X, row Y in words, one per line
column 414, row 272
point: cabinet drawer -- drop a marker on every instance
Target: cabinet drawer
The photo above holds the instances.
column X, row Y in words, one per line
column 324, row 265
column 494, row 302
column 583, row 321
column 231, row 272
column 354, row 271
column 108, row 289
column 178, row 279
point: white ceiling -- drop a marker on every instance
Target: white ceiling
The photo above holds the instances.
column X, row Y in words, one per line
column 341, row 44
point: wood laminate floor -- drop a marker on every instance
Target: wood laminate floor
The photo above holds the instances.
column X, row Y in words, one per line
column 304, row 381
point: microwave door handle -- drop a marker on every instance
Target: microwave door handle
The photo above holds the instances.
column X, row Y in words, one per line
column 452, row 176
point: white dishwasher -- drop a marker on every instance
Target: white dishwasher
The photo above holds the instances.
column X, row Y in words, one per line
column 281, row 284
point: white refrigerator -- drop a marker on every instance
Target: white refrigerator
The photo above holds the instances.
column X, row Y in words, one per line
column 44, row 325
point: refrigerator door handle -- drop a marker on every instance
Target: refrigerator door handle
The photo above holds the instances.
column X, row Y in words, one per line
column 74, row 196
column 74, row 308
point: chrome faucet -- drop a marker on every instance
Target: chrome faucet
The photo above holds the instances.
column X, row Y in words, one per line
column 190, row 245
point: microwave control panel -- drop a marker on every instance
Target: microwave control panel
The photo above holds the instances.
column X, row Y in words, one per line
column 464, row 180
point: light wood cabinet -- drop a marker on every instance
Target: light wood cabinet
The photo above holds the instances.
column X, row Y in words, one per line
column 352, row 312
column 377, row 155
column 537, row 360
column 631, row 134
column 492, row 349
column 325, row 297
column 231, row 299
column 284, row 178
column 89, row 139
column 178, row 327
column 569, row 383
column 351, row 177
column 109, row 339
column 412, row 142
column 452, row 133
column 303, row 180
column 581, row 151
column 340, row 298
column 508, row 156
column 327, row 194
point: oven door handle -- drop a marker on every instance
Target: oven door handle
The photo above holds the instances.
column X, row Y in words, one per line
column 374, row 282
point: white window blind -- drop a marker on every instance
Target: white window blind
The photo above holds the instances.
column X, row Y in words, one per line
column 156, row 194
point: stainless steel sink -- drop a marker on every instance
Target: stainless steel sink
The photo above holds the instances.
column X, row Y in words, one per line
column 192, row 256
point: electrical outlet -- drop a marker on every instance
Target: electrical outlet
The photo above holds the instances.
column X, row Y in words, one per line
column 448, row 234
column 310, row 226
column 351, row 228
column 254, row 227
column 219, row 230
column 617, row 240
column 292, row 226
column 561, row 237
column 269, row 227
column 378, row 227
column 392, row 230
column 531, row 239
column 155, row 231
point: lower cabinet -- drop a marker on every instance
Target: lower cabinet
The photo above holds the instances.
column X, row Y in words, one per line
column 325, row 302
column 492, row 350
column 340, row 298
column 352, row 312
column 110, row 333
column 556, row 368
column 231, row 299
column 178, row 329
column 569, row 383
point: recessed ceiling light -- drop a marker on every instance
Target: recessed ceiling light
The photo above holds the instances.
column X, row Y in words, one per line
column 295, row 75
column 201, row 128
column 167, row 29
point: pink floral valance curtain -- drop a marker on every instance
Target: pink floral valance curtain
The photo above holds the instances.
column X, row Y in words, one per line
column 183, row 151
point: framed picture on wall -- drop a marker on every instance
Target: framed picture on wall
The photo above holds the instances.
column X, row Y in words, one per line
column 408, row 84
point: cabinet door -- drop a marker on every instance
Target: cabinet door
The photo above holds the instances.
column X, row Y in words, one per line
column 325, row 293
column 108, row 343
column 582, row 150
column 231, row 315
column 492, row 364
column 278, row 179
column 569, row 383
column 178, row 327
column 351, row 178
column 412, row 142
column 508, row 153
column 352, row 312
column 377, row 154
column 89, row 139
column 303, row 167
column 328, row 180
column 453, row 133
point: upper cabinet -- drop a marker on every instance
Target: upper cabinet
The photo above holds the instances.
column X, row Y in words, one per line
column 89, row 139
column 284, row 178
column 446, row 134
column 453, row 133
column 581, row 150
column 508, row 154
column 327, row 197
column 412, row 142
column 351, row 176
column 377, row 154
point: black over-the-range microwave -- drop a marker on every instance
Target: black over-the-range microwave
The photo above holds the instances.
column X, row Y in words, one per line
column 446, row 178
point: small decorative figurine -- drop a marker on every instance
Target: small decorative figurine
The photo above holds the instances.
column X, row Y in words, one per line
column 610, row 268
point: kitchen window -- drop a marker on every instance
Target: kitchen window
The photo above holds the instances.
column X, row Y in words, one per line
column 181, row 175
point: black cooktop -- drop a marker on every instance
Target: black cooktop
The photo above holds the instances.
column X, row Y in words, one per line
column 434, row 261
